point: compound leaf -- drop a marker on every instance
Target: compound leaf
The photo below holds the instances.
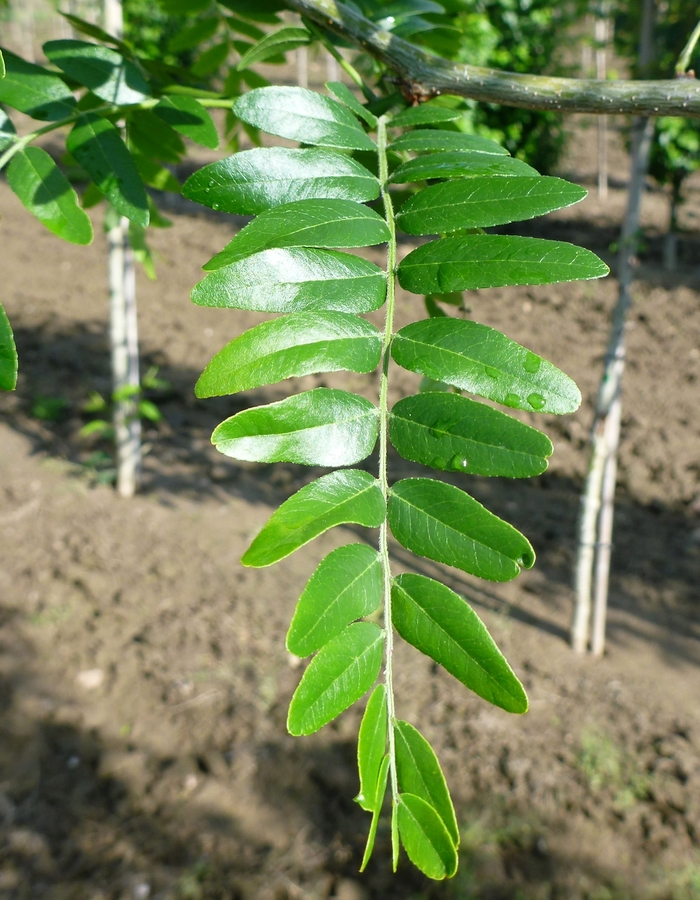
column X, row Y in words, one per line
column 346, row 586
column 288, row 38
column 345, row 496
column 301, row 115
column 153, row 137
column 459, row 164
column 494, row 260
column 371, row 749
column 346, row 96
column 255, row 180
column 294, row 280
column 101, row 69
column 35, row 91
column 292, row 346
column 337, row 676
column 483, row 361
column 376, row 812
column 322, row 427
column 188, row 117
column 424, row 114
column 47, row 194
column 429, row 140
column 437, row 520
column 454, row 433
column 425, row 838
column 8, row 354
column 443, row 626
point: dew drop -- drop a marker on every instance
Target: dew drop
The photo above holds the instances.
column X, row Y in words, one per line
column 459, row 463
column 491, row 372
column 512, row 400
column 435, row 432
column 532, row 362
column 440, row 463
column 207, row 190
column 536, row 401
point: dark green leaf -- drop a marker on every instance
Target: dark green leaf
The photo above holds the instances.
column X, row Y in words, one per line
column 196, row 34
column 431, row 139
column 424, row 114
column 8, row 354
column 155, row 176
column 322, row 427
column 189, row 118
column 346, row 96
column 287, row 38
column 494, row 260
column 295, row 280
column 301, row 115
column 95, row 31
column 346, row 586
column 100, row 69
column 459, row 164
column 437, row 520
column 419, row 773
column 306, row 223
column 256, row 10
column 256, row 180
column 99, row 149
column 185, row 7
column 337, row 676
column 153, row 137
column 47, row 194
column 425, row 838
column 34, row 90
column 3, row 71
column 239, row 26
column 457, row 434
column 381, row 791
column 441, row 625
column 346, row 496
column 483, row 361
column 481, row 202
column 211, row 60
column 371, row 747
column 8, row 132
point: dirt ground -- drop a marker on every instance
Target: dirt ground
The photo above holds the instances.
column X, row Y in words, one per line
column 143, row 676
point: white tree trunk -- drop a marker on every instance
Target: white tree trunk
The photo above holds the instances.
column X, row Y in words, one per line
column 302, row 67
column 602, row 29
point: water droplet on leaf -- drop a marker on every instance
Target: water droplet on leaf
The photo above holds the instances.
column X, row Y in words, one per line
column 491, row 372
column 459, row 463
column 536, row 401
column 511, row 400
column 532, row 362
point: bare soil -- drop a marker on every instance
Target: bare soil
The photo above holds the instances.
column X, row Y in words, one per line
column 143, row 676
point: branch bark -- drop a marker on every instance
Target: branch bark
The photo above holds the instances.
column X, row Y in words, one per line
column 676, row 97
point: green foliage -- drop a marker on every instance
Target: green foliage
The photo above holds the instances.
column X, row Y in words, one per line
column 8, row 354
column 310, row 207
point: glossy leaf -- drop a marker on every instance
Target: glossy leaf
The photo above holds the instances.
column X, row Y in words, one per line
column 419, row 773
column 457, row 434
column 482, row 202
column 301, row 115
column 292, row 346
column 443, row 626
column 154, row 138
column 494, row 260
column 295, row 280
column 97, row 146
column 306, row 223
column 3, row 71
column 425, row 838
column 288, row 38
column 424, row 114
column 102, row 70
column 431, row 139
column 340, row 673
column 437, row 520
column 8, row 354
column 381, row 791
column 255, row 180
column 322, row 427
column 346, row 96
column 345, row 496
column 346, row 586
column 34, row 90
column 459, row 164
column 483, row 361
column 8, row 132
column 371, row 749
column 188, row 117
column 47, row 194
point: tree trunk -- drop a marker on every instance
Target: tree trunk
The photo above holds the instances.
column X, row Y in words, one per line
column 602, row 28
column 302, row 67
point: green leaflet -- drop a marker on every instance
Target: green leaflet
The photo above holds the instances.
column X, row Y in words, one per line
column 8, row 354
column 295, row 280
column 443, row 626
column 153, row 138
column 381, row 791
column 99, row 149
column 255, row 180
column 483, row 361
column 346, row 496
column 344, row 670
column 424, row 114
column 47, row 194
column 189, row 118
column 481, row 202
column 429, row 140
column 189, row 38
column 322, row 427
column 306, row 223
column 437, row 520
column 346, row 96
column 425, row 838
column 301, row 115
column 3, row 71
column 459, row 164
column 34, row 90
column 155, row 176
column 371, row 747
column 454, row 433
column 419, row 773
column 8, row 132
column 102, row 70
column 346, row 586
column 494, row 260
column 292, row 346
column 95, row 31
column 288, row 38
column 211, row 60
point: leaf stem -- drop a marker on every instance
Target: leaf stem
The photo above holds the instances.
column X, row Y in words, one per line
column 383, row 447
column 687, row 52
column 347, row 67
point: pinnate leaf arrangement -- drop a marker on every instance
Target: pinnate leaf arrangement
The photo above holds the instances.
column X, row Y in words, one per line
column 311, row 206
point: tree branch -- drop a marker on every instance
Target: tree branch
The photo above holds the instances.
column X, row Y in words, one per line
column 676, row 97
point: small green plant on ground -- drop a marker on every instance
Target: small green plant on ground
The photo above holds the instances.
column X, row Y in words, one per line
column 606, row 766
column 145, row 407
